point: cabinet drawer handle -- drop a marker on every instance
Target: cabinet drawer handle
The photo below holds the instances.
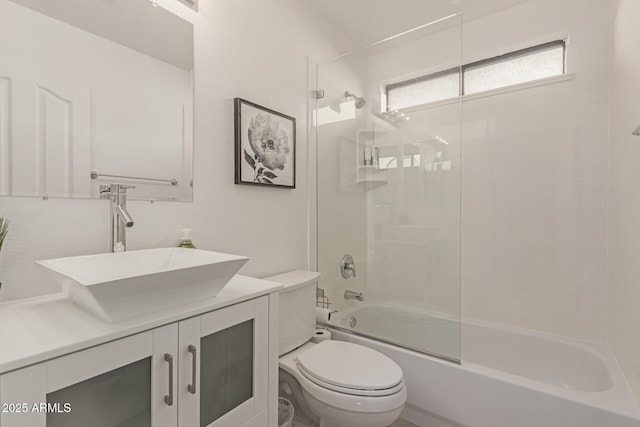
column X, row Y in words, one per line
column 168, row 399
column 192, row 387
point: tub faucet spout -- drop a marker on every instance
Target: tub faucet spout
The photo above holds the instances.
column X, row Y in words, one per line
column 353, row 295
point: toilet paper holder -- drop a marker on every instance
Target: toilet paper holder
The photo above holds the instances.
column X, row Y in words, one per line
column 321, row 335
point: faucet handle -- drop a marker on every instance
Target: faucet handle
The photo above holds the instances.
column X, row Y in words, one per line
column 127, row 186
column 347, row 267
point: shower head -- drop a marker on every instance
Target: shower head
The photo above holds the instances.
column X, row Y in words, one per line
column 360, row 102
column 636, row 131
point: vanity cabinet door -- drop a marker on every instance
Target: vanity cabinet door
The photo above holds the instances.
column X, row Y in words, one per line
column 224, row 367
column 122, row 383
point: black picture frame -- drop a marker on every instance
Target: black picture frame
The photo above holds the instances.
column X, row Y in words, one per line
column 265, row 146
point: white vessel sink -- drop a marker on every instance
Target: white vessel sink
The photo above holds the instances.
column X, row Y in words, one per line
column 119, row 286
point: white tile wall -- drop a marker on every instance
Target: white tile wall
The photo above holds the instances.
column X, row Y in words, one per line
column 342, row 204
column 624, row 209
column 534, row 178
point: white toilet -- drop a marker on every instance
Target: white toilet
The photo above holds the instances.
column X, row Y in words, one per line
column 343, row 384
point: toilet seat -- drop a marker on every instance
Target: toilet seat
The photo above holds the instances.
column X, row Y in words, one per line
column 353, row 391
column 350, row 402
column 339, row 400
column 351, row 369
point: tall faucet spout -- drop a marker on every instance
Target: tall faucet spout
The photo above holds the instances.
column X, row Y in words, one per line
column 120, row 218
column 124, row 216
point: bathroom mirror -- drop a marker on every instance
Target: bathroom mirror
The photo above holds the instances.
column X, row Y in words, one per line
column 93, row 92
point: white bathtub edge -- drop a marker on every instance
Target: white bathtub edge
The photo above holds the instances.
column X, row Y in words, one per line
column 458, row 395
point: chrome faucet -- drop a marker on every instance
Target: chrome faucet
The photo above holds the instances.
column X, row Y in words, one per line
column 353, row 295
column 347, row 267
column 120, row 218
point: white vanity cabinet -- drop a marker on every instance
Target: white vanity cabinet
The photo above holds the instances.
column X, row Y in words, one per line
column 207, row 370
column 112, row 384
column 223, row 378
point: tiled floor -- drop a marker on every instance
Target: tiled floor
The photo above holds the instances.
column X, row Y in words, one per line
column 403, row 423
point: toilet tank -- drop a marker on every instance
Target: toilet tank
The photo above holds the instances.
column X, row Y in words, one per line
column 297, row 308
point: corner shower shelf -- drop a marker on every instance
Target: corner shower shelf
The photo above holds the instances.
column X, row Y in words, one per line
column 371, row 174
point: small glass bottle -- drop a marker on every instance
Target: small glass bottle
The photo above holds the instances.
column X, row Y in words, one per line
column 368, row 156
column 376, row 157
column 186, row 242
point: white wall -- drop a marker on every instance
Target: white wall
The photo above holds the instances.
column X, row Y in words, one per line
column 624, row 208
column 369, row 21
column 243, row 48
column 534, row 178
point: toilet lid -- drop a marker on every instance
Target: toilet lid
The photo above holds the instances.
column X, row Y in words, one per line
column 350, row 366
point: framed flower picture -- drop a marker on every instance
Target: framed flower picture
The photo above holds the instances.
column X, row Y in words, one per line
column 265, row 146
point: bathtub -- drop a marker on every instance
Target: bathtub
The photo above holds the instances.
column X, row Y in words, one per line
column 507, row 377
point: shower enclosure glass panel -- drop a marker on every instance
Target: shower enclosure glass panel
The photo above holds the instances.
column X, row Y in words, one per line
column 389, row 190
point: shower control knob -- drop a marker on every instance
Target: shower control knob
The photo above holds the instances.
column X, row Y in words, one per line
column 347, row 267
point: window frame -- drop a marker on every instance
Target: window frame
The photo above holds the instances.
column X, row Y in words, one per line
column 461, row 70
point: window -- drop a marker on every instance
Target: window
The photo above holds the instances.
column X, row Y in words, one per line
column 431, row 88
column 535, row 63
column 524, row 65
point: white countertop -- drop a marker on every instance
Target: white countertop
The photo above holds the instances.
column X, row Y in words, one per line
column 37, row 329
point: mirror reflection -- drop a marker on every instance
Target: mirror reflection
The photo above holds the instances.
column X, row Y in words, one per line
column 94, row 92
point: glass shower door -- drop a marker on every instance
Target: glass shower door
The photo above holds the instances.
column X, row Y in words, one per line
column 388, row 165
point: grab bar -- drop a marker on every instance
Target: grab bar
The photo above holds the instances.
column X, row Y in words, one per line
column 95, row 175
